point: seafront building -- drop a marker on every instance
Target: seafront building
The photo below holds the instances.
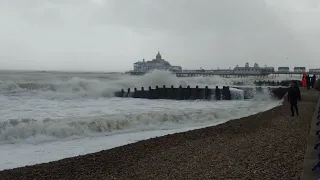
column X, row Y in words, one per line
column 283, row 69
column 155, row 64
column 299, row 69
column 255, row 70
column 317, row 70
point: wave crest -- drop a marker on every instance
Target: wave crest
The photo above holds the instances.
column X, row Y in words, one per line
column 66, row 87
column 39, row 130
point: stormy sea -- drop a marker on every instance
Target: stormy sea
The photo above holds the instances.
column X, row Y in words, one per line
column 48, row 116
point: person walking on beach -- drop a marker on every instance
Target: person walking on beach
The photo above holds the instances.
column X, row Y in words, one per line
column 308, row 82
column 304, row 82
column 293, row 97
column 313, row 80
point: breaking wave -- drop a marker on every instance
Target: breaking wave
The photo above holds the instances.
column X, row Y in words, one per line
column 102, row 85
column 43, row 100
column 41, row 130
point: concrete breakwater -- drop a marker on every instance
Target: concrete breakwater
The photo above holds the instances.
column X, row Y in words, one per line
column 217, row 93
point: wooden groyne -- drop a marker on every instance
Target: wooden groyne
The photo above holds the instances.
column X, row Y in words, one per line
column 179, row 93
column 205, row 93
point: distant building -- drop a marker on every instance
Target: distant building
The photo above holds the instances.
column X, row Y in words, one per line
column 299, row 69
column 221, row 71
column 267, row 70
column 283, row 69
column 246, row 69
column 252, row 70
column 155, row 64
column 317, row 70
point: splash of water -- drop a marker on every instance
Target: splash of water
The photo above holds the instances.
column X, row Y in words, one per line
column 100, row 85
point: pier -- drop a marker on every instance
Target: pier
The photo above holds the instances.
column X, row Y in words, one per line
column 143, row 67
column 193, row 73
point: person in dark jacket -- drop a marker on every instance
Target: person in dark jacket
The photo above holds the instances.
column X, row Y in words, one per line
column 308, row 82
column 313, row 80
column 293, row 97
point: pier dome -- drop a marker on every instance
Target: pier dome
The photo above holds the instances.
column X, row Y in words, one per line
column 157, row 63
column 158, row 56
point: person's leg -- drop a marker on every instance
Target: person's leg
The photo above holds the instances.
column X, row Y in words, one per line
column 296, row 107
column 292, row 110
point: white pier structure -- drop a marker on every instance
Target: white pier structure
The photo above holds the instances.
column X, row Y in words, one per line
column 142, row 67
column 155, row 64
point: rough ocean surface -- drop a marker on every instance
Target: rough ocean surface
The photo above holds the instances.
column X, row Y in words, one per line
column 268, row 145
column 47, row 116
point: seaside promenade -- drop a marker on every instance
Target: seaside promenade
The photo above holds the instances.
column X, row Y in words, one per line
column 268, row 145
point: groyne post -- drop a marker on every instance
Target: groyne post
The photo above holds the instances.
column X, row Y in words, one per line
column 122, row 93
column 226, row 93
column 188, row 93
column 135, row 93
column 207, row 93
column 217, row 93
column 150, row 93
column 142, row 93
column 197, row 92
column 172, row 93
column 164, row 92
column 128, row 92
column 179, row 93
column 157, row 93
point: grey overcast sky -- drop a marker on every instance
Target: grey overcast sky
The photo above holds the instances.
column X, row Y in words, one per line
column 110, row 35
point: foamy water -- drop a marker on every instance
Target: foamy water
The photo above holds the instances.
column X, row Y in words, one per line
column 52, row 115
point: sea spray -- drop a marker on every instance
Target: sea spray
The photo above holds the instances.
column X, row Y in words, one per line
column 72, row 86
